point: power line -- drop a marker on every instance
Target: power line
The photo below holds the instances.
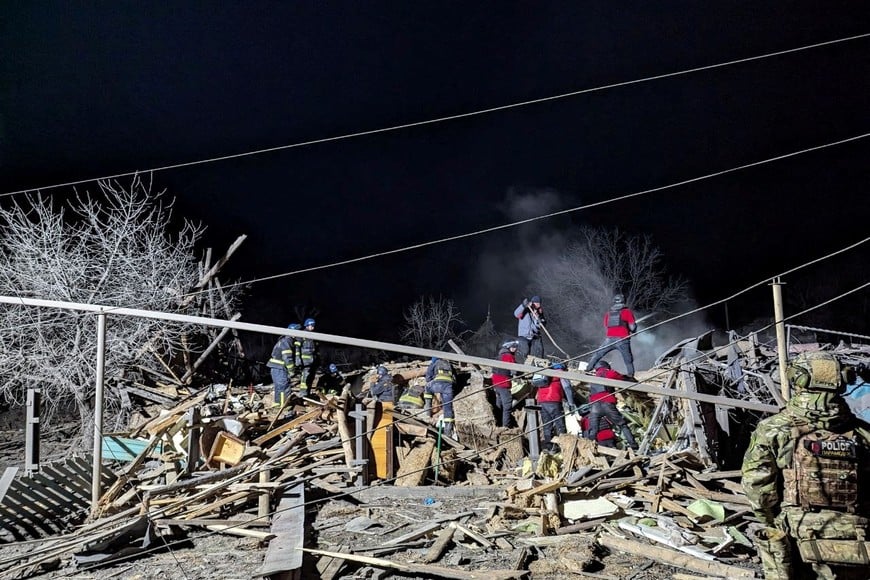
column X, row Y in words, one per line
column 544, row 216
column 453, row 117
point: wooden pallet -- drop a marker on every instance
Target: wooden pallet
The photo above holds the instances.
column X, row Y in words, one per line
column 50, row 502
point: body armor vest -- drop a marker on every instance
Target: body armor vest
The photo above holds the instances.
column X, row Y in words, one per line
column 823, row 472
column 614, row 318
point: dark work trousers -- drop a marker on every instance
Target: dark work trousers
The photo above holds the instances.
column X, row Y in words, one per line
column 444, row 389
column 616, row 419
column 527, row 346
column 612, row 343
column 282, row 382
column 504, row 400
column 552, row 419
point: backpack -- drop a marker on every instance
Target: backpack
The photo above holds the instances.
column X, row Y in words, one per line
column 824, row 471
column 614, row 318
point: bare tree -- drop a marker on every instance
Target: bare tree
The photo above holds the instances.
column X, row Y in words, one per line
column 430, row 322
column 579, row 285
column 113, row 249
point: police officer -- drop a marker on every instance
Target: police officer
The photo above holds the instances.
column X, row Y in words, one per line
column 282, row 365
column 806, row 475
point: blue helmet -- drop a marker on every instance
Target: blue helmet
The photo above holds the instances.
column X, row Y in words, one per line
column 309, row 322
column 558, row 366
column 294, row 326
column 434, row 358
column 382, row 370
column 333, row 368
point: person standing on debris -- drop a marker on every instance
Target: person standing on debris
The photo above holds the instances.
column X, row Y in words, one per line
column 308, row 357
column 332, row 383
column 619, row 323
column 282, row 366
column 383, row 388
column 806, row 475
column 530, row 314
column 550, row 393
column 501, row 382
column 605, row 437
column 603, row 403
column 440, row 383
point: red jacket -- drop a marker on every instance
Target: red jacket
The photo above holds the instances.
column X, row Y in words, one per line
column 621, row 331
column 552, row 393
column 499, row 380
column 603, row 394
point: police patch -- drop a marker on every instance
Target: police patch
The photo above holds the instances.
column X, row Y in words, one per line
column 837, row 448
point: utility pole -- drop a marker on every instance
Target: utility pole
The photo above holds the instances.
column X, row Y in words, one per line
column 781, row 342
column 97, row 471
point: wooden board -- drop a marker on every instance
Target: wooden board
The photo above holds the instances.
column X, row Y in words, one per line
column 383, row 454
column 284, row 555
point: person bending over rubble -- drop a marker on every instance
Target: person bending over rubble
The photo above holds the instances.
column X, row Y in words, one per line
column 383, row 388
column 603, row 403
column 551, row 391
column 332, row 383
column 619, row 324
column 440, row 381
column 412, row 398
column 806, row 474
column 501, row 382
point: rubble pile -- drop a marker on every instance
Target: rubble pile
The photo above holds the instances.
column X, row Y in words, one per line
column 366, row 489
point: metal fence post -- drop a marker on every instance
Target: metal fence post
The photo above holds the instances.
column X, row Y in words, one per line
column 31, row 432
column 96, row 474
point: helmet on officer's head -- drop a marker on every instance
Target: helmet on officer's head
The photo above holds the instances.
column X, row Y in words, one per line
column 511, row 344
column 382, row 370
column 602, row 364
column 294, row 326
column 309, row 322
column 333, row 368
column 618, row 299
column 815, row 371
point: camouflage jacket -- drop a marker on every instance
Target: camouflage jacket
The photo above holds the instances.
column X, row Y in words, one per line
column 772, row 447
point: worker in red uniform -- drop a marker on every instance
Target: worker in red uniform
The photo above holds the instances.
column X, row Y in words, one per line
column 619, row 323
column 551, row 391
column 605, row 437
column 603, row 403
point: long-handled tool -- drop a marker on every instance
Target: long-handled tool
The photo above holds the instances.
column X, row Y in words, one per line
column 540, row 324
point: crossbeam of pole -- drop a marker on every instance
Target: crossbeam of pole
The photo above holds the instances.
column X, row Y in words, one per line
column 390, row 347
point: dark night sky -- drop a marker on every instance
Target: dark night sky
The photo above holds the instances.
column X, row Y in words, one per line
column 91, row 89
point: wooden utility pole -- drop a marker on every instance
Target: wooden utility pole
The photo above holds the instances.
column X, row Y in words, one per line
column 781, row 342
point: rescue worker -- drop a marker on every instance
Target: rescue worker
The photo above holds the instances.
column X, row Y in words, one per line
column 550, row 393
column 383, row 388
column 603, row 405
column 806, row 473
column 412, row 398
column 441, row 383
column 332, row 383
column 308, row 358
column 282, row 366
column 531, row 318
column 619, row 323
column 501, row 382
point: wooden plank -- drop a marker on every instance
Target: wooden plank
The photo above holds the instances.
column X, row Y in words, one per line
column 328, row 566
column 425, row 569
column 414, row 534
column 288, row 426
column 6, row 480
column 285, row 550
column 442, row 540
column 674, row 558
column 381, row 440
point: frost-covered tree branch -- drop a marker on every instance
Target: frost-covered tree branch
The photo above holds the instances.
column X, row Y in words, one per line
column 112, row 248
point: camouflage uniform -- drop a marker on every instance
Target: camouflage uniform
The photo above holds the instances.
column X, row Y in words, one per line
column 804, row 473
